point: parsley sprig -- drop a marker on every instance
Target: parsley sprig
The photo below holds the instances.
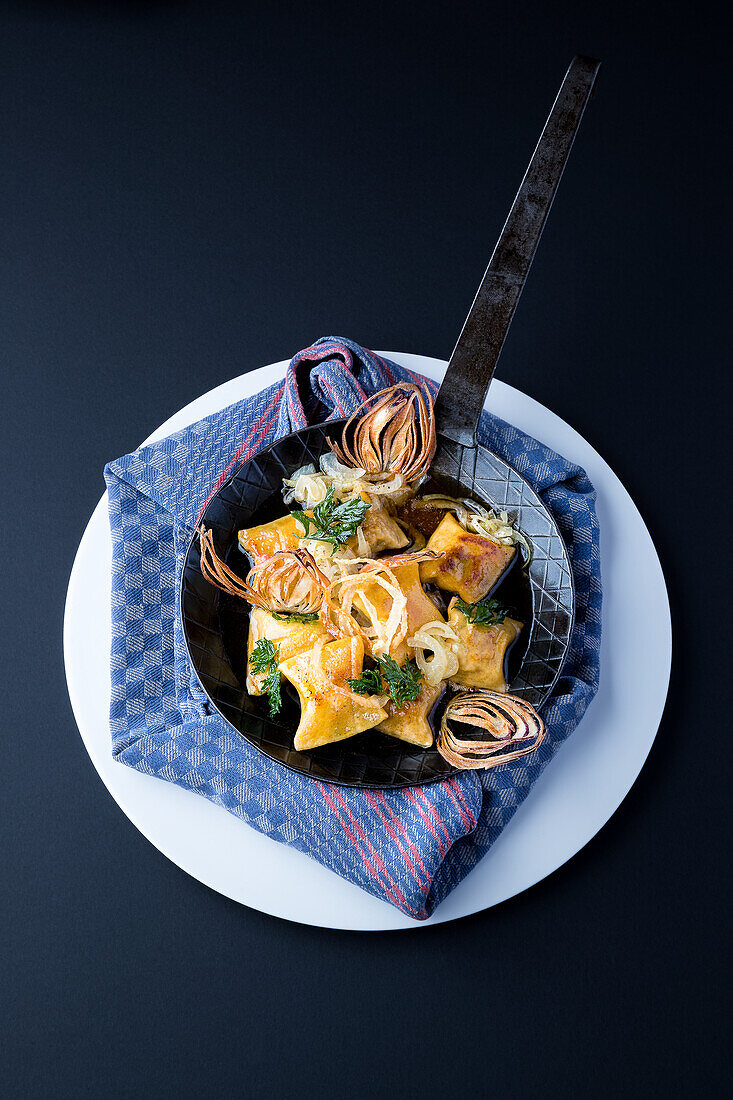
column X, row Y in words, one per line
column 265, row 659
column 295, row 616
column 332, row 522
column 401, row 683
column 369, row 684
column 483, row 612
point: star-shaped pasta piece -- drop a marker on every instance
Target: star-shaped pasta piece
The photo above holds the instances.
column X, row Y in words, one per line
column 290, row 637
column 482, row 650
column 410, row 722
column 471, row 564
column 329, row 709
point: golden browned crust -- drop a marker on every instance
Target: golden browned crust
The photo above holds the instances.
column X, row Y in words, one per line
column 410, row 721
column 481, row 650
column 470, row 564
column 329, row 710
column 266, row 539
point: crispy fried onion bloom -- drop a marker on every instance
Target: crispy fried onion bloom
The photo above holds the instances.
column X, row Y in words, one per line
column 288, row 582
column 391, row 434
column 512, row 726
column 352, row 594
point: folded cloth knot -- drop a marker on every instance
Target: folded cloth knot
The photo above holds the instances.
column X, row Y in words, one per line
column 410, row 847
column 329, row 380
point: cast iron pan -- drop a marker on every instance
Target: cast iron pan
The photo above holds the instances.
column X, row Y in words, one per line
column 215, row 624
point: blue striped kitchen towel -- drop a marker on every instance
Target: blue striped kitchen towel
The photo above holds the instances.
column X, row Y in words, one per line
column 409, row 847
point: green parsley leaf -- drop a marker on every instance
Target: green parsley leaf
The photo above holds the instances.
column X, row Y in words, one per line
column 332, row 522
column 296, row 616
column 402, row 684
column 264, row 655
column 483, row 612
column 264, row 660
column 369, row 684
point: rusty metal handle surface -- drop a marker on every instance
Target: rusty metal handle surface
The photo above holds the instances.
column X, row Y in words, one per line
column 472, row 364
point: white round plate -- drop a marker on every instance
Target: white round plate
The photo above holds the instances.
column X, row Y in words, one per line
column 575, row 796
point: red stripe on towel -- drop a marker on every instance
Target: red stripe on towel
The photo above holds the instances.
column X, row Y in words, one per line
column 423, row 885
column 441, row 846
column 354, row 842
column 388, row 877
column 457, row 788
column 401, row 825
column 431, row 808
column 467, row 820
column 239, row 452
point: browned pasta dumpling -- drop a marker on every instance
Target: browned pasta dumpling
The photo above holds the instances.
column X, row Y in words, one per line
column 291, row 638
column 263, row 541
column 470, row 565
column 481, row 650
column 329, row 709
column 410, row 721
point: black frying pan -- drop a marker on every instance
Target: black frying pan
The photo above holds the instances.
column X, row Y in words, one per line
column 215, row 624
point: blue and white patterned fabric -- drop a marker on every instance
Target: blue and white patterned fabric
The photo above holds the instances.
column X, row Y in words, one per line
column 409, row 847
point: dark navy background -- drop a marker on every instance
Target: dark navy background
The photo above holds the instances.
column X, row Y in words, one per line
column 190, row 190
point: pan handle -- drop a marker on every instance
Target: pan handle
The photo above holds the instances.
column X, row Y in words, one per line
column 463, row 391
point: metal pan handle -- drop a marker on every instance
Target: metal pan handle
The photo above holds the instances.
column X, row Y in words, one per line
column 472, row 364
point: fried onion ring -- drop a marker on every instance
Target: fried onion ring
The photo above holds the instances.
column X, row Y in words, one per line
column 513, row 726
